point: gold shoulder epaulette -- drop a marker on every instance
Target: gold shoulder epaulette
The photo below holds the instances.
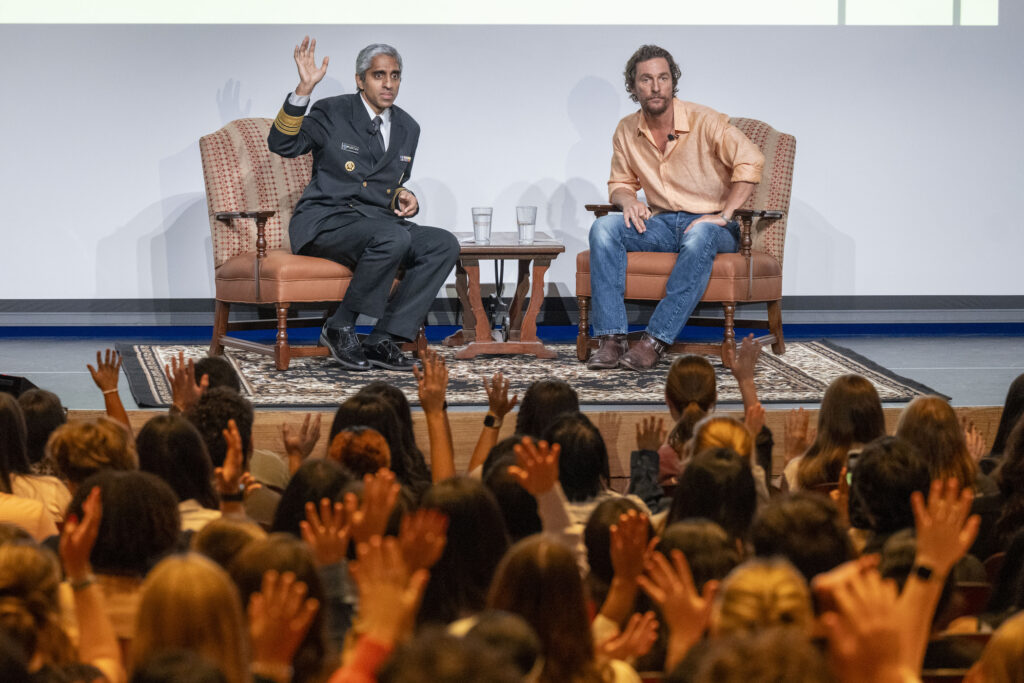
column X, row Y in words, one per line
column 287, row 124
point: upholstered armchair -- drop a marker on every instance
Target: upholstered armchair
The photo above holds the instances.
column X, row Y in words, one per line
column 251, row 194
column 752, row 275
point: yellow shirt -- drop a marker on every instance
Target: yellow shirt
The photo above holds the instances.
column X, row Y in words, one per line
column 697, row 168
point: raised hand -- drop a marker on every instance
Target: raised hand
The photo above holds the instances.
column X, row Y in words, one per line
column 629, row 545
column 326, row 532
column 841, row 497
column 945, row 527
column 309, row 73
column 432, row 381
column 536, row 467
column 975, row 440
column 746, row 357
column 422, row 537
column 79, row 536
column 107, row 371
column 498, row 401
column 650, row 433
column 797, row 437
column 389, row 593
column 229, row 475
column 181, row 374
column 379, row 495
column 686, row 612
column 298, row 445
column 280, row 615
column 635, row 640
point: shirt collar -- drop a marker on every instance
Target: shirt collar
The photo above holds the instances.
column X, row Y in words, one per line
column 384, row 115
column 680, row 114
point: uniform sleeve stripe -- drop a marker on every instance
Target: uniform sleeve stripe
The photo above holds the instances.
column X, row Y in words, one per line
column 287, row 124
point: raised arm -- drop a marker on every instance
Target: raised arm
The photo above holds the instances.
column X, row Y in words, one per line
column 293, row 134
column 433, row 384
column 499, row 406
column 106, row 375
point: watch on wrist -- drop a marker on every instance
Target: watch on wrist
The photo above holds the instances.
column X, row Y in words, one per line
column 923, row 572
column 491, row 420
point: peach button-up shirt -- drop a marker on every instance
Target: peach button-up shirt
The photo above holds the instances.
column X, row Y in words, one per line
column 696, row 170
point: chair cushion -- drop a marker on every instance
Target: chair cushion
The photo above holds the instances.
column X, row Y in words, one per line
column 647, row 273
column 284, row 277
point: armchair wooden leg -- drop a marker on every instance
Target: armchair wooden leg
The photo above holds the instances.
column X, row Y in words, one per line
column 220, row 327
column 775, row 325
column 729, row 336
column 583, row 333
column 282, row 351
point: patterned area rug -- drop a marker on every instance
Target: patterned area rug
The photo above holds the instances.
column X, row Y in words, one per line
column 799, row 376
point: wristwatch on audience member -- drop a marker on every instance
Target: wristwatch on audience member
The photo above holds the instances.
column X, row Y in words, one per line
column 725, row 218
column 493, row 421
column 923, row 572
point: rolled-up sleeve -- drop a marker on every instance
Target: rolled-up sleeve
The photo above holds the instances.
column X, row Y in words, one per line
column 741, row 155
column 623, row 176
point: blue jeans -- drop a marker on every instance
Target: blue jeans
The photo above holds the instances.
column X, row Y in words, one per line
column 611, row 239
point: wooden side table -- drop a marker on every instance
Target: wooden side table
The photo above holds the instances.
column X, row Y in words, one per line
column 477, row 336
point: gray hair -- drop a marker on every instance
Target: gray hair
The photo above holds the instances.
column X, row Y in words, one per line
column 365, row 57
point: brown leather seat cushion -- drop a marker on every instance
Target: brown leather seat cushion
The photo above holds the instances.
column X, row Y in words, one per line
column 284, row 277
column 647, row 273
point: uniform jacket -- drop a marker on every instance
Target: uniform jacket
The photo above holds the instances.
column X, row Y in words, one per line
column 350, row 181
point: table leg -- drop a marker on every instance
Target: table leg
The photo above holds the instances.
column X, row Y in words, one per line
column 516, row 310
column 468, row 331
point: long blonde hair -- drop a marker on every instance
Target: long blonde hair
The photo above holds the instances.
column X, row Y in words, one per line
column 190, row 603
column 722, row 432
column 759, row 594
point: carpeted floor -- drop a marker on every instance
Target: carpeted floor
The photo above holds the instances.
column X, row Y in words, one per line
column 799, row 376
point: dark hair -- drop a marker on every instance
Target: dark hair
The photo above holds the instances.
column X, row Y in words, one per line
column 1010, row 476
column 804, row 528
column 177, row 666
column 718, row 485
column 509, row 635
column 539, row 580
column 219, row 373
column 13, row 458
column 13, row 662
column 222, row 539
column 285, row 553
column 544, row 401
column 476, row 542
column 930, row 423
column 376, row 411
column 210, row 415
column 643, row 54
column 888, row 470
column 315, row 480
column 435, row 656
column 583, row 463
column 140, row 522
column 502, row 451
column 709, row 551
column 851, row 412
column 1013, row 409
column 691, row 380
column 170, row 447
column 400, row 404
column 43, row 413
column 518, row 507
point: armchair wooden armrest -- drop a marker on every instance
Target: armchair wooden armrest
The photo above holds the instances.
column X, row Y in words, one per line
column 261, row 225
column 601, row 209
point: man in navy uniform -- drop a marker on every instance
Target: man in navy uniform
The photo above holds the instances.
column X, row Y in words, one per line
column 355, row 210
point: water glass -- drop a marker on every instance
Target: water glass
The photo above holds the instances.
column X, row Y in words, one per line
column 526, row 221
column 482, row 224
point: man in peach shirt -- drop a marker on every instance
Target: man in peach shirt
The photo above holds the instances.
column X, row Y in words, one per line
column 695, row 170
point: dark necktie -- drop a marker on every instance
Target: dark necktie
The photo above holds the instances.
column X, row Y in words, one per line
column 377, row 135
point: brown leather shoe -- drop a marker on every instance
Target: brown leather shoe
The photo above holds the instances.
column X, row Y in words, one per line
column 643, row 355
column 608, row 353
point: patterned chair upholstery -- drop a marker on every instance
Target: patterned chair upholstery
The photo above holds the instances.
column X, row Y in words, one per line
column 754, row 274
column 251, row 194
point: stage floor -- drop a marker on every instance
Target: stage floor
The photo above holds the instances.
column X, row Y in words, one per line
column 973, row 370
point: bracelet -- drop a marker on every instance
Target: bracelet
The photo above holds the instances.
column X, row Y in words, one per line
column 110, row 391
column 84, row 582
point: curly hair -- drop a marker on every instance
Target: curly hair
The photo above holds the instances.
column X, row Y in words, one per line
column 643, row 54
column 81, row 449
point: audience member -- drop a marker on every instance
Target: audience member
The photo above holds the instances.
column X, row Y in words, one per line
column 314, row 481
column 360, row 450
column 222, row 539
column 80, row 449
column 717, row 485
column 544, row 402
column 43, row 414
column 16, row 475
column 1010, row 476
column 804, row 528
column 850, row 417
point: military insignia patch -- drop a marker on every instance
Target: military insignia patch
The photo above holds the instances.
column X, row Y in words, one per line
column 350, row 166
column 405, row 158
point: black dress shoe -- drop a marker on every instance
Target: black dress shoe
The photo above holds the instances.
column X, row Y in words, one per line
column 386, row 354
column 345, row 347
